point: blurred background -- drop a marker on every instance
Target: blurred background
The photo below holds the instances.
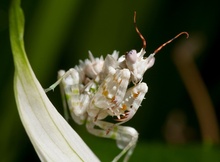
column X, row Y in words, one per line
column 179, row 119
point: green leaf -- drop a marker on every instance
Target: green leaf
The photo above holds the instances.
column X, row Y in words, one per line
column 51, row 136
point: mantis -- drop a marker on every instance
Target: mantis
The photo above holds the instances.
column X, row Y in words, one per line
column 112, row 86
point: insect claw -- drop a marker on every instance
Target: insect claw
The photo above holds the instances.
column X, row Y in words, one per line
column 109, row 129
column 96, row 117
column 107, row 132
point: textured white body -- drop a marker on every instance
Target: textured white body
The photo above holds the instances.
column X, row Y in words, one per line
column 98, row 88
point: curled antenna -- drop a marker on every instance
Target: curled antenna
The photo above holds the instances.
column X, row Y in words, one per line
column 139, row 33
column 159, row 48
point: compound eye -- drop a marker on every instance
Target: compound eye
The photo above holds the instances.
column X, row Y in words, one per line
column 131, row 56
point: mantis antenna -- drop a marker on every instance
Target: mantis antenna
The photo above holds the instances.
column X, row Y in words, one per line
column 139, row 33
column 169, row 41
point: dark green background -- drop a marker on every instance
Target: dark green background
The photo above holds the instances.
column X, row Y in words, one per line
column 59, row 33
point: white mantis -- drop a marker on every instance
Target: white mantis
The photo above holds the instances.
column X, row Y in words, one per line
column 98, row 88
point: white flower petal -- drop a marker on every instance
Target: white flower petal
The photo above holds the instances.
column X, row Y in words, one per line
column 51, row 136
